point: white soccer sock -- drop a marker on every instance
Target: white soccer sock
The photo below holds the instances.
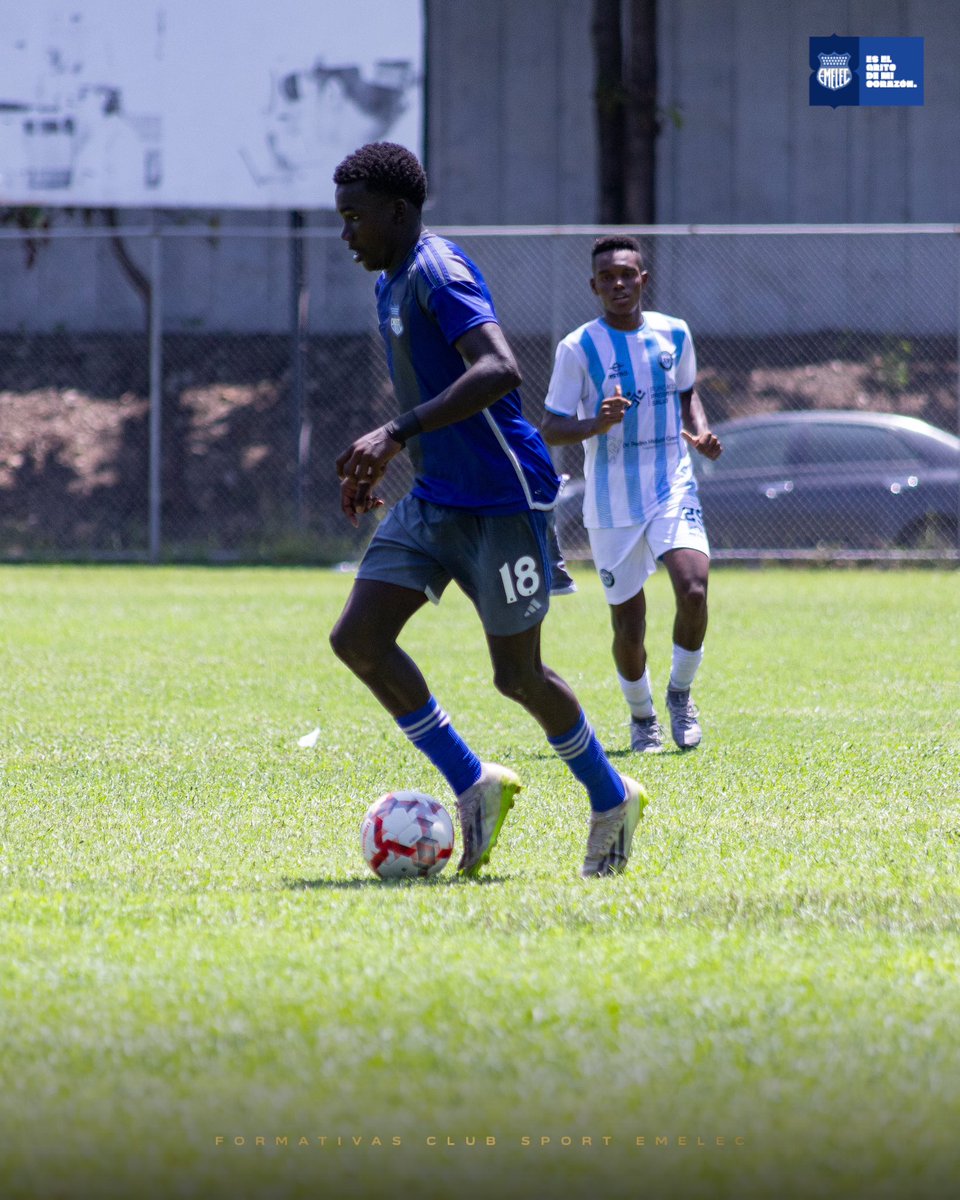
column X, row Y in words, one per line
column 638, row 694
column 684, row 668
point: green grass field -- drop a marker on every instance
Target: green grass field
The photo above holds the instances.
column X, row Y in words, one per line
column 204, row 993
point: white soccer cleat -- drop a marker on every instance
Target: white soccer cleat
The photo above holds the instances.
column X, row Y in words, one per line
column 482, row 810
column 611, row 832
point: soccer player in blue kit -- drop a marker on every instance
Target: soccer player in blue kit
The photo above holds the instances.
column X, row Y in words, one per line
column 476, row 513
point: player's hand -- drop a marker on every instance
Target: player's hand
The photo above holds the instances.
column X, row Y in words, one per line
column 611, row 411
column 706, row 443
column 351, row 504
column 361, row 467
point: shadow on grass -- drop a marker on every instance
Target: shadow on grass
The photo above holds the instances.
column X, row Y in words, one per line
column 666, row 752
column 354, row 885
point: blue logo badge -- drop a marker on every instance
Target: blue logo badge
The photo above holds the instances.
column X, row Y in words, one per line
column 834, row 72
column 862, row 71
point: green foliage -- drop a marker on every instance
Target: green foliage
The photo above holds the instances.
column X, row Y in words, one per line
column 893, row 364
column 194, row 949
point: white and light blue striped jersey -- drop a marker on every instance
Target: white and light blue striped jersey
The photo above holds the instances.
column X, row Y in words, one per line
column 636, row 467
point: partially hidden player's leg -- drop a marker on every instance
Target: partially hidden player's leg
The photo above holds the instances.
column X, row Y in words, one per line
column 561, row 581
column 616, row 801
column 688, row 570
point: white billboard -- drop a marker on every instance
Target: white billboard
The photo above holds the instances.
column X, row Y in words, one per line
column 200, row 103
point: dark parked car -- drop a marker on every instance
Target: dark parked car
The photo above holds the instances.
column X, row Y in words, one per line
column 831, row 479
column 808, row 480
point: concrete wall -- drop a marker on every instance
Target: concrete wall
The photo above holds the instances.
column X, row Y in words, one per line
column 511, row 140
column 512, row 133
column 750, row 148
column 510, row 124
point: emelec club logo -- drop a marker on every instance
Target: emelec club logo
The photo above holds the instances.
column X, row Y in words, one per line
column 396, row 321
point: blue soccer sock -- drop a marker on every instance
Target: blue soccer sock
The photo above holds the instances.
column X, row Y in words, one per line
column 430, row 730
column 586, row 758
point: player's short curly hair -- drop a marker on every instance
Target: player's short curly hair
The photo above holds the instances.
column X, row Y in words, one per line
column 616, row 241
column 388, row 168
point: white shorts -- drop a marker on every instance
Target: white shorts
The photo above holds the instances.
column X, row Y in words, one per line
column 625, row 558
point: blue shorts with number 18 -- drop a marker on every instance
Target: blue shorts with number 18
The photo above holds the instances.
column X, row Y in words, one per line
column 501, row 563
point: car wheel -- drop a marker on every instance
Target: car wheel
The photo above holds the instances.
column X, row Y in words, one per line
column 933, row 531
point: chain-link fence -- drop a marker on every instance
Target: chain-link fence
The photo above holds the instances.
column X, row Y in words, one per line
column 172, row 392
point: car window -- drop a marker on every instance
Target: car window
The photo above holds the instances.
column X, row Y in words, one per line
column 762, row 446
column 834, row 442
column 936, row 452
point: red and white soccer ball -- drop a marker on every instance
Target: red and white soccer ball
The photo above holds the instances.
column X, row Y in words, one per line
column 406, row 835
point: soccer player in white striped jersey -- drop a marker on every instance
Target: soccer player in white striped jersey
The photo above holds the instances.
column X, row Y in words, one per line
column 623, row 384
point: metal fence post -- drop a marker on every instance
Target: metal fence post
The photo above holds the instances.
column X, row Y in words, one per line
column 298, row 325
column 154, row 487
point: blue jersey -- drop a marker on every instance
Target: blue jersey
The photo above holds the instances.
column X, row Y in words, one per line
column 494, row 462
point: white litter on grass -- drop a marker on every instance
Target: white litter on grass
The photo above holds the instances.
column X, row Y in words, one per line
column 309, row 740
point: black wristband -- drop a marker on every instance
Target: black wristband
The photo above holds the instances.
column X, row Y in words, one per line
column 404, row 427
